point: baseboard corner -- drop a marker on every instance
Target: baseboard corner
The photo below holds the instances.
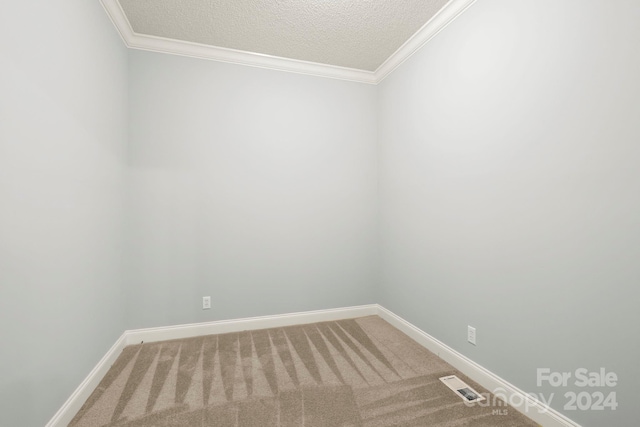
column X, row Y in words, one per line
column 73, row 404
column 533, row 408
column 70, row 408
column 542, row 414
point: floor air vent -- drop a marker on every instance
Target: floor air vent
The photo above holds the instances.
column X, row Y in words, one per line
column 462, row 389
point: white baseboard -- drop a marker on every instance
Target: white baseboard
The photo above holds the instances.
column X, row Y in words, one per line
column 65, row 414
column 532, row 408
column 71, row 407
column 537, row 410
column 251, row 323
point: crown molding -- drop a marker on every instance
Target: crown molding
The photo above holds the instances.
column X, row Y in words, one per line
column 135, row 40
column 437, row 23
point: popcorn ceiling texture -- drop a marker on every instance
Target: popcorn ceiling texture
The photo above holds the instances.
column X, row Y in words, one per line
column 356, row 34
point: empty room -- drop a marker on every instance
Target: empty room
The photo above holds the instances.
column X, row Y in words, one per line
column 319, row 213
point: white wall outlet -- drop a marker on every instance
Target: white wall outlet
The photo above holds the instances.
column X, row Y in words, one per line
column 471, row 334
column 206, row 303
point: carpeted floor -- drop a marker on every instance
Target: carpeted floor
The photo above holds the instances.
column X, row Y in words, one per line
column 358, row 372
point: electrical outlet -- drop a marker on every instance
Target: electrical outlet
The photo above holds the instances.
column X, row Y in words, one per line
column 206, row 303
column 471, row 334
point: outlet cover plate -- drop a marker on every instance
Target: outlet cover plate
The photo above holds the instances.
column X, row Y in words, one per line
column 471, row 334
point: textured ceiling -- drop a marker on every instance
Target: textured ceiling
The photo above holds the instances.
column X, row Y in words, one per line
column 358, row 34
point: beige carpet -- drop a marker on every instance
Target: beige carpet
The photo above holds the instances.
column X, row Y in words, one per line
column 358, row 372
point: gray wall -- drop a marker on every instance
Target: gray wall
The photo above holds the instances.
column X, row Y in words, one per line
column 509, row 153
column 255, row 187
column 508, row 180
column 63, row 108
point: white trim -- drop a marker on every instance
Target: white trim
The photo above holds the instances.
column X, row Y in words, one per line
column 538, row 411
column 73, row 404
column 247, row 324
column 119, row 19
column 196, row 50
column 437, row 23
column 202, row 51
column 71, row 407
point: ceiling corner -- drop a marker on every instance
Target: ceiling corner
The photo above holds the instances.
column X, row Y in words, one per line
column 119, row 19
column 196, row 50
column 444, row 17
